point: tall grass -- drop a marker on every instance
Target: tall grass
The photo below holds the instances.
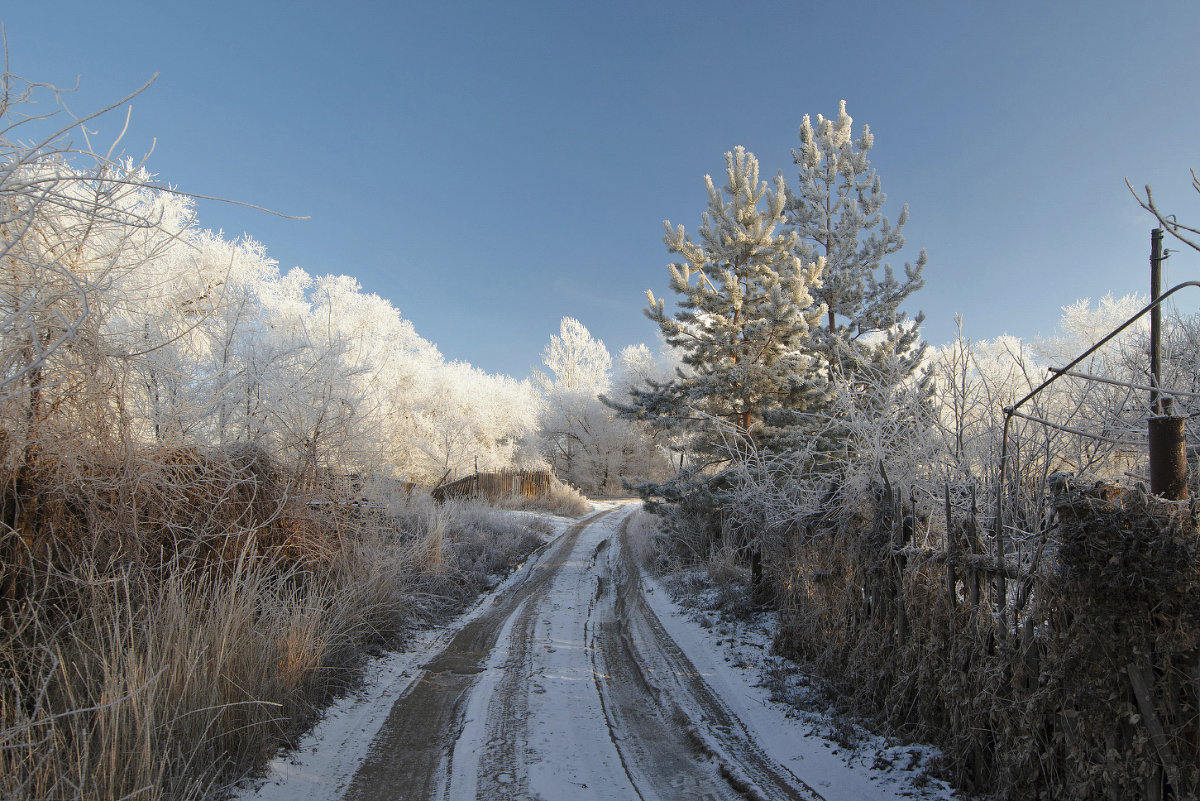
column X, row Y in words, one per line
column 137, row 678
column 562, row 499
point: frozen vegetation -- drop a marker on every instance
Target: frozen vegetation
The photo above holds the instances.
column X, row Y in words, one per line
column 215, row 506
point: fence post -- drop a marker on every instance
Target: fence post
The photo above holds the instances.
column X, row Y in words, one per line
column 971, row 544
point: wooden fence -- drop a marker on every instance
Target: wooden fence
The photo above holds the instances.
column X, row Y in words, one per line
column 492, row 486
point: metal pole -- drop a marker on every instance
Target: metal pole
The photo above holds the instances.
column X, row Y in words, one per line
column 1156, row 237
column 1009, row 411
column 1168, row 454
column 1168, row 458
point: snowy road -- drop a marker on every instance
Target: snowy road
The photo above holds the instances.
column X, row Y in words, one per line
column 565, row 684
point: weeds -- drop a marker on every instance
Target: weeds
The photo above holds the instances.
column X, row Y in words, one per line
column 168, row 672
column 562, row 499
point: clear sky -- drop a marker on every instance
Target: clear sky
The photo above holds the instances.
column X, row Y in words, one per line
column 492, row 167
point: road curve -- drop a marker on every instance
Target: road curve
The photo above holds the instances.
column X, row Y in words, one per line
column 568, row 687
column 408, row 756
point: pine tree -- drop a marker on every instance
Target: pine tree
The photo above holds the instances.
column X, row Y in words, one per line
column 865, row 343
column 835, row 212
column 744, row 315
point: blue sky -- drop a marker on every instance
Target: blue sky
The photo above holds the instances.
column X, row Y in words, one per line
column 492, row 167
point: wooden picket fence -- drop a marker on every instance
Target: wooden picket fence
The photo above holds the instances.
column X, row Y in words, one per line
column 493, row 486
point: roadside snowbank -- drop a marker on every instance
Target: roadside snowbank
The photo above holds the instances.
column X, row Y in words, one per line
column 834, row 756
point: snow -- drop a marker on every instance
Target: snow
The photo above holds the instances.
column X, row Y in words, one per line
column 326, row 758
column 534, row 726
column 567, row 752
column 732, row 657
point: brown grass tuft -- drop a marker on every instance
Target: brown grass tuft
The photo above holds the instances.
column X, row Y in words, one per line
column 165, row 626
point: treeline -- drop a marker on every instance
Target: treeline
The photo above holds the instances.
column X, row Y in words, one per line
column 210, row 508
column 127, row 324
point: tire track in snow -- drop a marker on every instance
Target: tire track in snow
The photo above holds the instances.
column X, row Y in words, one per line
column 678, row 739
column 409, row 757
column 649, row 731
column 498, row 774
column 545, row 735
column 569, row 687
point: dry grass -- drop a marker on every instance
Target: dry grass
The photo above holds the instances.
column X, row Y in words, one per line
column 643, row 536
column 562, row 499
column 1088, row 686
column 1041, row 705
column 164, row 655
column 151, row 677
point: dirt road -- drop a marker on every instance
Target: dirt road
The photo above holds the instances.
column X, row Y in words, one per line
column 566, row 685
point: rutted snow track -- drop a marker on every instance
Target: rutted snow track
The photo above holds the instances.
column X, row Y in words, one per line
column 677, row 737
column 568, row 687
column 565, row 685
column 413, row 755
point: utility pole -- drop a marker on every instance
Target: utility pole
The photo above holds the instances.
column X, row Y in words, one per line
column 1168, row 451
column 1156, row 402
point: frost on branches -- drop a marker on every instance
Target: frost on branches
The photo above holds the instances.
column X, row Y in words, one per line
column 745, row 312
column 865, row 347
column 124, row 326
column 835, row 213
column 795, row 353
column 581, row 438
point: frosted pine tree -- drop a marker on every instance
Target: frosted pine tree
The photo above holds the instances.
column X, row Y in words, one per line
column 864, row 346
column 745, row 310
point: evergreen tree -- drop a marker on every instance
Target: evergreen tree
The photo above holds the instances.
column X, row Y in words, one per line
column 744, row 315
column 865, row 344
column 835, row 213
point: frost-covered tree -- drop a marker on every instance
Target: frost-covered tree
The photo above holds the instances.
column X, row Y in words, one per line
column 577, row 360
column 638, row 368
column 465, row 417
column 742, row 323
column 636, row 365
column 865, row 343
column 582, row 439
column 836, row 214
column 1113, row 411
column 646, row 453
column 745, row 311
column 1077, row 425
column 69, row 238
column 124, row 328
column 580, row 370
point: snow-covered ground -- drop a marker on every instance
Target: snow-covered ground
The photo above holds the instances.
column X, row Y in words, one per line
column 579, row 678
column 835, row 756
column 322, row 764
